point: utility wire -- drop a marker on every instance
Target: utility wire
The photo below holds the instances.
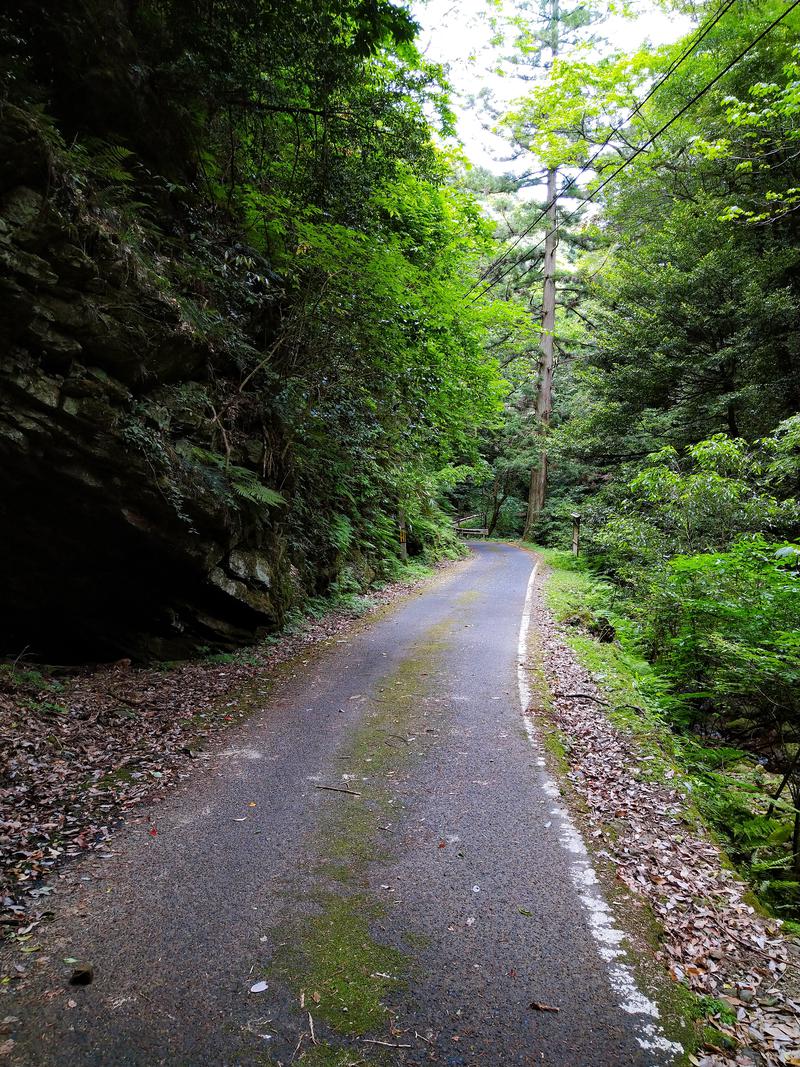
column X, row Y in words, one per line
column 657, row 133
column 702, row 32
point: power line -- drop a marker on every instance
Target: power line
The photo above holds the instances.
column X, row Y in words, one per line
column 702, row 32
column 661, row 129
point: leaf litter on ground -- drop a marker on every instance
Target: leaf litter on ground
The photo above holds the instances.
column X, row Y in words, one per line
column 714, row 942
column 78, row 753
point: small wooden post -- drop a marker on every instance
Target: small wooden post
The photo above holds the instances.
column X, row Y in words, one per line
column 576, row 533
column 401, row 519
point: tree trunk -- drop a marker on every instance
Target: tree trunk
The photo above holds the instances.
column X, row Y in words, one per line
column 794, row 789
column 544, row 395
column 497, row 504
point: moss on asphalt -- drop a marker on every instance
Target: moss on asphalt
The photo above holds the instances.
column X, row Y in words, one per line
column 344, row 972
column 334, row 958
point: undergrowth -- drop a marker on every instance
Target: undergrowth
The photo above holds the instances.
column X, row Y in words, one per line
column 730, row 788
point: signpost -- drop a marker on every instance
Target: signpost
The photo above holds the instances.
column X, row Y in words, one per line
column 576, row 533
column 401, row 517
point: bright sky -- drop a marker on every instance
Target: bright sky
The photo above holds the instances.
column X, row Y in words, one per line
column 456, row 32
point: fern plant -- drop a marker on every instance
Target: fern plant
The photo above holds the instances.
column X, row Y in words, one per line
column 341, row 532
column 244, row 483
column 104, row 161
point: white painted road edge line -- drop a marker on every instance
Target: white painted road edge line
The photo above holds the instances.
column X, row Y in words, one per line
column 606, row 933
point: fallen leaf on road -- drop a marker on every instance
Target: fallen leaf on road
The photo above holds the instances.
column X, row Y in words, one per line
column 122, row 749
column 713, row 941
column 537, row 1006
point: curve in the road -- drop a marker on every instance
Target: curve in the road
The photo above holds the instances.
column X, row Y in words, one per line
column 379, row 854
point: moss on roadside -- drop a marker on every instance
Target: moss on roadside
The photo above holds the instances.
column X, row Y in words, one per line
column 554, row 742
column 639, row 704
column 345, row 973
column 334, row 957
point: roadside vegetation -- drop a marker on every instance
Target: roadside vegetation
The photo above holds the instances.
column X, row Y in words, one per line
column 672, row 427
column 266, row 333
column 730, row 788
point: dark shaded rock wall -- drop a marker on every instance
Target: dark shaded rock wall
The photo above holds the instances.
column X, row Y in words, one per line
column 115, row 541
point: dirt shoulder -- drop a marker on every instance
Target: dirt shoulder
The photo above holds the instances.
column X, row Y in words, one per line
column 735, row 973
column 80, row 750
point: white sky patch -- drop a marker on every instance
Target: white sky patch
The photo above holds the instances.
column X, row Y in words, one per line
column 607, row 935
column 457, row 33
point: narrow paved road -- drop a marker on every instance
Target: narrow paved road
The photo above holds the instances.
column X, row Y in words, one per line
column 453, row 889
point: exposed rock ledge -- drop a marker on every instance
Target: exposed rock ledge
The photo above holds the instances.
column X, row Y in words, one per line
column 116, row 538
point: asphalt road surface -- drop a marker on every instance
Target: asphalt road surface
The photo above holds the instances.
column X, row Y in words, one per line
column 453, row 890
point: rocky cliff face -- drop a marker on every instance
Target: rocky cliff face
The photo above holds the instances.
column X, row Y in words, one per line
column 130, row 522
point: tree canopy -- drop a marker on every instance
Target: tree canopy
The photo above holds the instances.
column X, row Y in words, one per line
column 367, row 338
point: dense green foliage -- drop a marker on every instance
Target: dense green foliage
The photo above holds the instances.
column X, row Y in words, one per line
column 678, row 438
column 371, row 334
column 295, row 207
column 675, row 429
